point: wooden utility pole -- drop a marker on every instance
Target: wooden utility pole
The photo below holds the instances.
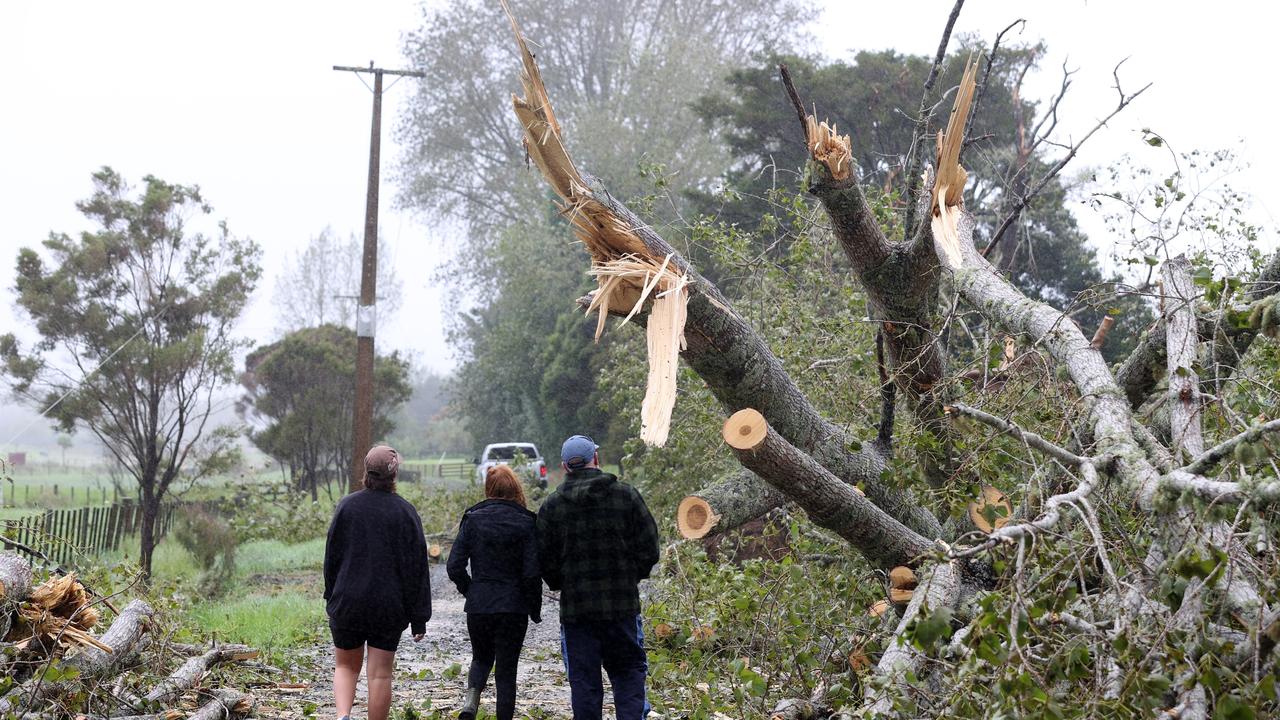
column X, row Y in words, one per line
column 366, row 311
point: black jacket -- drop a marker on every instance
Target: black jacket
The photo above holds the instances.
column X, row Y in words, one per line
column 497, row 538
column 376, row 576
column 596, row 542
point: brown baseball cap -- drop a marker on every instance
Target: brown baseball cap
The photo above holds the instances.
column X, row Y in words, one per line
column 382, row 462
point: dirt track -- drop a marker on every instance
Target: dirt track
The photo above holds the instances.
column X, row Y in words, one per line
column 431, row 675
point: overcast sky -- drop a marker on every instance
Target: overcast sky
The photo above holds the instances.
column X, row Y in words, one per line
column 239, row 97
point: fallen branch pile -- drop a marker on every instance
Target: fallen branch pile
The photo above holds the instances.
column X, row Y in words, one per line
column 62, row 669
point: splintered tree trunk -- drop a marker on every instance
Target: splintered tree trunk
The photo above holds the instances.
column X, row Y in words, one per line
column 91, row 663
column 830, row 503
column 726, row 505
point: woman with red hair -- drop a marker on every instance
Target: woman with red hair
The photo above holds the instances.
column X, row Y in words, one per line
column 503, row 588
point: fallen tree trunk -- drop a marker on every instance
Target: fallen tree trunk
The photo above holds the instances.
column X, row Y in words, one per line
column 726, row 505
column 720, row 345
column 830, row 503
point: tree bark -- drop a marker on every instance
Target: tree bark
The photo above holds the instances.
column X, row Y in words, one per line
column 742, row 372
column 726, row 505
column 147, row 531
column 940, row 589
column 15, row 578
column 1182, row 348
column 901, row 284
column 830, row 503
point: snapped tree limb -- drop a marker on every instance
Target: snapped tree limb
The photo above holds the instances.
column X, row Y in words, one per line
column 719, row 345
column 830, row 503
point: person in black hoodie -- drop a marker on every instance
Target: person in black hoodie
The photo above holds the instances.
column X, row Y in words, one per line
column 376, row 582
column 503, row 589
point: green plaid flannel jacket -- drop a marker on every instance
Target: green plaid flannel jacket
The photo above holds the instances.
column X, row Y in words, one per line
column 596, row 542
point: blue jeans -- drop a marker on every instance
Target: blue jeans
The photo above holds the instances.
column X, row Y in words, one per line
column 618, row 646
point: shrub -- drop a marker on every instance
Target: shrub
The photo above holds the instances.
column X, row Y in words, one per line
column 212, row 543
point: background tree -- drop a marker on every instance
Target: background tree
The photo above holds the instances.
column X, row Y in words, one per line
column 320, row 284
column 1044, row 251
column 64, row 442
column 135, row 321
column 303, row 387
column 427, row 424
column 510, row 278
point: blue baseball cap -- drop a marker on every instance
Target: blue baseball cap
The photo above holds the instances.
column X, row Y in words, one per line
column 578, row 451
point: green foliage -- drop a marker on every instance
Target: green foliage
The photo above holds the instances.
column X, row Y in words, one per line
column 271, row 623
column 737, row 639
column 135, row 321
column 290, row 521
column 303, row 386
column 428, row 424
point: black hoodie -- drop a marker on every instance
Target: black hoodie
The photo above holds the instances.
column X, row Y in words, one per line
column 376, row 576
column 497, row 538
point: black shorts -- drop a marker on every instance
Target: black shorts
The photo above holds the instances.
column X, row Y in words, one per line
column 348, row 639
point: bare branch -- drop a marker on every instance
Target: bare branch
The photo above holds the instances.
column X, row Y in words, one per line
column 986, row 77
column 1048, row 519
column 1012, row 430
column 1211, row 457
column 795, row 100
column 1026, row 199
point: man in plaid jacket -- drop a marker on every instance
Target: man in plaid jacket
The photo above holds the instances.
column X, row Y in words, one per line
column 596, row 542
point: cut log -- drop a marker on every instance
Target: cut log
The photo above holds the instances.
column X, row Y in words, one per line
column 878, row 608
column 830, row 503
column 992, row 503
column 726, row 505
column 189, row 673
column 434, row 551
column 900, row 596
column 15, row 578
column 902, row 577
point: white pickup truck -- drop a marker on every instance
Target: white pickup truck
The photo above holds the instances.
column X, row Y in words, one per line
column 533, row 470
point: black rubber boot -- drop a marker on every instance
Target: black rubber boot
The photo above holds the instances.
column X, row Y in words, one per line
column 471, row 707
